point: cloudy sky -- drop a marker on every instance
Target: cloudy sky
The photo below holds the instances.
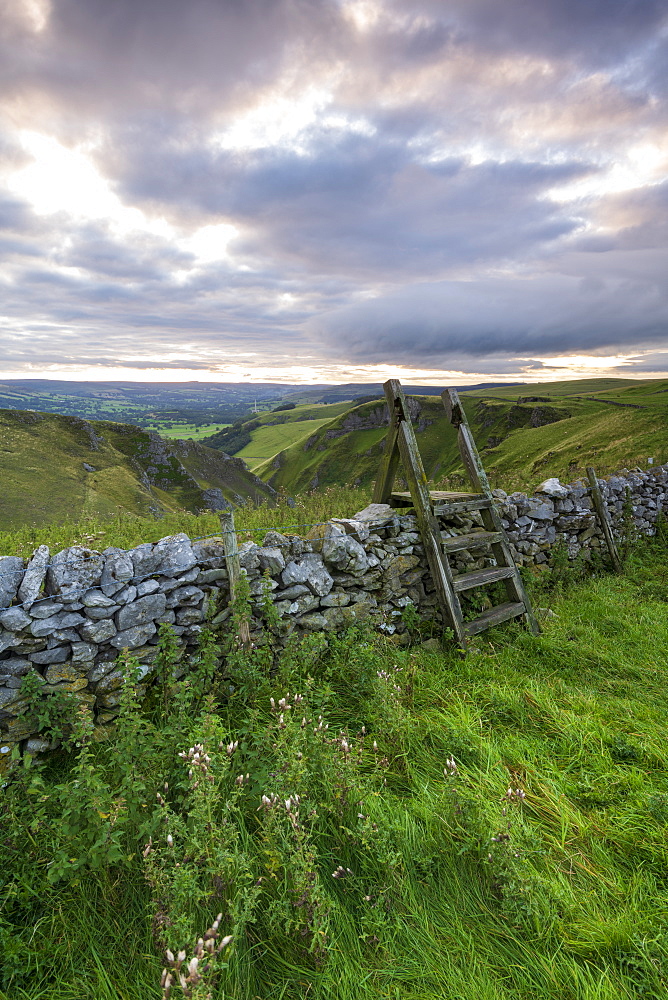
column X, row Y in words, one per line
column 334, row 190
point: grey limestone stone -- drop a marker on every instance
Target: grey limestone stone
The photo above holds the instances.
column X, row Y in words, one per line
column 72, row 571
column 169, row 557
column 168, row 585
column 11, row 575
column 175, row 555
column 118, row 569
column 212, row 575
column 98, row 631
column 271, row 558
column 82, row 652
column 15, row 619
column 303, row 604
column 144, row 588
column 96, row 599
column 45, row 609
column 134, row 636
column 56, row 655
column 17, row 666
column 291, row 593
column 100, row 670
column 248, row 557
column 359, row 529
column 376, row 514
column 209, row 552
column 129, row 593
column 62, row 635
column 189, row 616
column 168, row 618
column 311, row 571
column 34, row 576
column 335, row 600
column 184, row 597
column 99, row 614
column 141, row 611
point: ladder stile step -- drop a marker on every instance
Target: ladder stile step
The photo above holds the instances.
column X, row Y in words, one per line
column 481, row 577
column 494, row 616
column 462, row 508
column 478, row 540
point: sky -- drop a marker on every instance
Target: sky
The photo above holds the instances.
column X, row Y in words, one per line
column 444, row 191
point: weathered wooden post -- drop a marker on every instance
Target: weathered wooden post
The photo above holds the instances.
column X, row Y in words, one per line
column 604, row 519
column 229, row 536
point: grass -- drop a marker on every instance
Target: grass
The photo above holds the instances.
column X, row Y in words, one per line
column 268, row 440
column 460, row 891
column 194, row 432
column 126, row 530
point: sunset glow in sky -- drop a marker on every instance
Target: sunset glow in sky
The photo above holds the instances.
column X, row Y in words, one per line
column 339, row 190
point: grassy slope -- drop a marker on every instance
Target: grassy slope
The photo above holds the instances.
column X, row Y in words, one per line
column 516, row 456
column 42, row 460
column 462, row 893
column 278, row 430
column 44, row 480
column 269, row 440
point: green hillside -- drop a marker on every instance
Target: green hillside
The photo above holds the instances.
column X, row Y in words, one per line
column 56, row 468
column 524, row 433
column 260, row 438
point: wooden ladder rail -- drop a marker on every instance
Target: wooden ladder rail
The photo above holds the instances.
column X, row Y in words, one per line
column 491, row 519
column 401, row 444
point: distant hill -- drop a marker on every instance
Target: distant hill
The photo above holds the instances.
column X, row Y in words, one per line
column 172, row 402
column 57, row 467
column 525, row 433
column 356, row 390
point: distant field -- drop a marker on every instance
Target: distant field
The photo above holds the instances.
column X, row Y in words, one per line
column 269, row 441
column 186, row 430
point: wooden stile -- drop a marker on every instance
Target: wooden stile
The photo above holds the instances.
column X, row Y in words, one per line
column 401, row 445
column 604, row 519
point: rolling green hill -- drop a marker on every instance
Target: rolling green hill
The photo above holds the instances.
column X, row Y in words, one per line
column 525, row 433
column 56, row 468
column 257, row 440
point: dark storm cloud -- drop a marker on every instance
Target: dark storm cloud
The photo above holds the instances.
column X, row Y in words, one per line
column 596, row 31
column 543, row 315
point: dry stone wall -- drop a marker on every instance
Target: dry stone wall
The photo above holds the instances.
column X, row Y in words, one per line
column 66, row 616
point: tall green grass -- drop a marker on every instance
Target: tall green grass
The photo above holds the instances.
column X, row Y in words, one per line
column 127, row 530
column 505, row 838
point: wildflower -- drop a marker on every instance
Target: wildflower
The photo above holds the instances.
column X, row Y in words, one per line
column 170, row 840
column 341, row 872
column 450, row 768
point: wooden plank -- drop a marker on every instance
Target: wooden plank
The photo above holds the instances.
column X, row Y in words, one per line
column 442, row 509
column 229, row 536
column 604, row 519
column 467, row 448
column 501, row 613
column 482, row 577
column 478, row 540
column 388, row 465
column 438, row 496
